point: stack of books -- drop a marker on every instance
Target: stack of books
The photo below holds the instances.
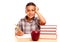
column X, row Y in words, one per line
column 48, row 32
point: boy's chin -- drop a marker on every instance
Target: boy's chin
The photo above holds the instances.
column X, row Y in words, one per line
column 30, row 17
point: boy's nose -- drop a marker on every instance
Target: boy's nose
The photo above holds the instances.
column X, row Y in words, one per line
column 30, row 12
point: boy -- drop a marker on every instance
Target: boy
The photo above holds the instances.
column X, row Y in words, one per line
column 30, row 22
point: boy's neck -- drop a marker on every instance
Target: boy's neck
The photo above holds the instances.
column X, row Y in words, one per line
column 29, row 19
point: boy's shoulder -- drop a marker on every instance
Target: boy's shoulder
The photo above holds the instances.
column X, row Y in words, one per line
column 22, row 19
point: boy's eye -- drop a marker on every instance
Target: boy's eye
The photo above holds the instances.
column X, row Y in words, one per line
column 33, row 10
column 30, row 10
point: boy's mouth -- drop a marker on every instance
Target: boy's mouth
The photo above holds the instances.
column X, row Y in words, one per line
column 31, row 15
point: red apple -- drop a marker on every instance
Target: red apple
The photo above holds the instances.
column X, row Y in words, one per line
column 35, row 35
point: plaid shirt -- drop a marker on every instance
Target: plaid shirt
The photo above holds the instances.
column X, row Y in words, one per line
column 27, row 27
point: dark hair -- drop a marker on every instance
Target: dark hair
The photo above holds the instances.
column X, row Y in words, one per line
column 30, row 3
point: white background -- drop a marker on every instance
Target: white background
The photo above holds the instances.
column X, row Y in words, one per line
column 12, row 10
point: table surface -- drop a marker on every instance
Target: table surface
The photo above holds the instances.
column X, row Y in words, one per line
column 43, row 38
column 29, row 40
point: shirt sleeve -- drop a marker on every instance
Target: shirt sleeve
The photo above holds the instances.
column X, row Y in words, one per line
column 38, row 23
column 38, row 20
column 19, row 26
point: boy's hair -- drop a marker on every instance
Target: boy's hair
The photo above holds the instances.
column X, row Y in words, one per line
column 30, row 3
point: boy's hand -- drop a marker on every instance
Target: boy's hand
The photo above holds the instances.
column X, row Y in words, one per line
column 18, row 32
column 37, row 10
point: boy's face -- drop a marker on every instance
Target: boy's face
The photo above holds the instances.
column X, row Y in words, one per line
column 30, row 11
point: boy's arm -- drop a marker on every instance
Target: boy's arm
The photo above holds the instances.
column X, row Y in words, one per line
column 41, row 18
column 18, row 32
